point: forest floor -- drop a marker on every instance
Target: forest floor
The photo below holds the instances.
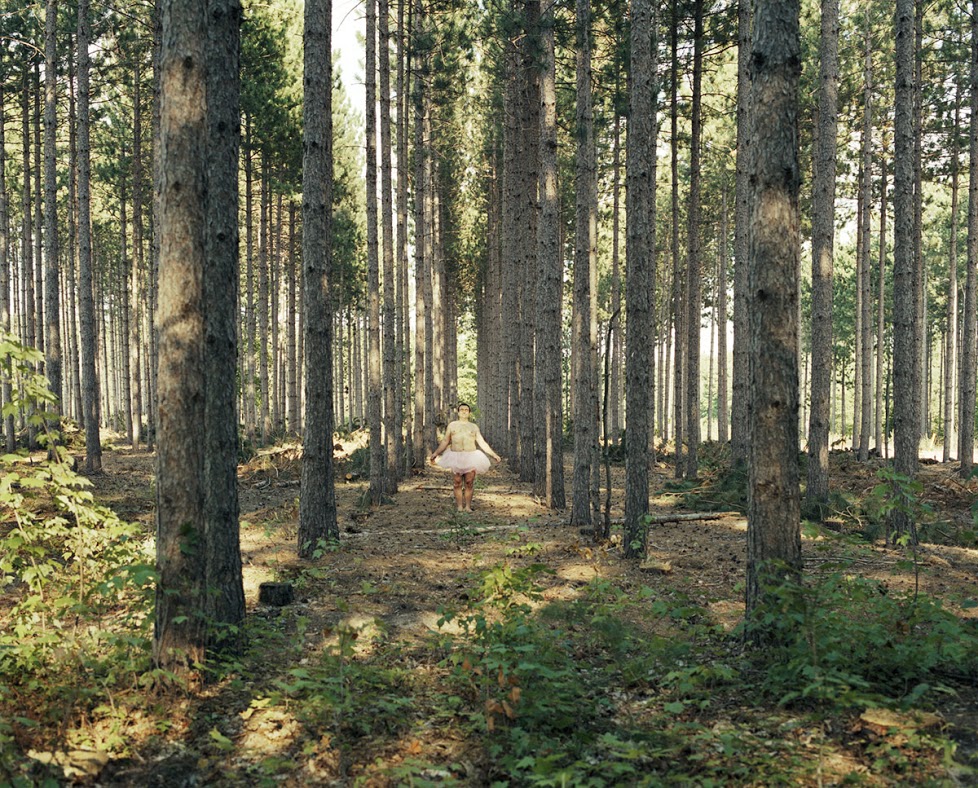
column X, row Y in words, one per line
column 364, row 679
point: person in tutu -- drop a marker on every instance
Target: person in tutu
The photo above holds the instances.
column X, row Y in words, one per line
column 460, row 453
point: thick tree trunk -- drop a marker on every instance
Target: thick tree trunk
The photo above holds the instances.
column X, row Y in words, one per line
column 181, row 545
column 640, row 271
column 225, row 603
column 773, row 530
column 548, row 390
column 906, row 357
column 585, row 278
column 317, row 497
column 823, row 238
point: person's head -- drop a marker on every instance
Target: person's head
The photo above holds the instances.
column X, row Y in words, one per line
column 463, row 409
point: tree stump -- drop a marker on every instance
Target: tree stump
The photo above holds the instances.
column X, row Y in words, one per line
column 276, row 594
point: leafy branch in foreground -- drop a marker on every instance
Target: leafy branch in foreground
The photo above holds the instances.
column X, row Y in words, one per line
column 77, row 577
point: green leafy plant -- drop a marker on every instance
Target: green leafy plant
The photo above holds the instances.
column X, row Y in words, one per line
column 848, row 640
column 78, row 578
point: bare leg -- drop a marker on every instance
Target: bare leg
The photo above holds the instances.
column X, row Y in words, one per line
column 469, row 487
column 458, row 482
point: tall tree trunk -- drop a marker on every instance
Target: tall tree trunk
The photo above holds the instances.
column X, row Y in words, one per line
column 27, row 217
column 403, row 426
column 865, row 300
column 614, row 396
column 774, row 510
column 375, row 396
column 6, row 394
column 224, row 601
column 422, row 357
column 585, row 277
column 264, row 388
column 738, row 421
column 294, row 398
column 723, row 409
column 694, row 261
column 52, row 280
column 181, row 596
column 248, row 365
column 86, row 302
column 906, row 357
column 317, row 497
column 680, row 335
column 640, row 270
column 951, row 320
column 136, row 286
column 549, row 281
column 823, row 238
column 391, row 380
column 969, row 336
column 881, row 310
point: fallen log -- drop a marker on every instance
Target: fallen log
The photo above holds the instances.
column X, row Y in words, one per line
column 677, row 517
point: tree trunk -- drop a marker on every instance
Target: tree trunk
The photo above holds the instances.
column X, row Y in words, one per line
column 548, row 391
column 52, row 281
column 723, row 409
column 317, row 496
column 951, row 320
column 865, row 300
column 181, row 595
column 906, row 357
column 225, row 603
column 823, row 238
column 86, row 302
column 391, row 379
column 135, row 361
column 969, row 336
column 585, row 277
column 640, row 270
column 6, row 394
column 738, row 420
column 880, row 310
column 680, row 334
column 694, row 262
column 773, row 532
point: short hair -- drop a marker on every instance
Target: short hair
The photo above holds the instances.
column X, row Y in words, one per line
column 463, row 405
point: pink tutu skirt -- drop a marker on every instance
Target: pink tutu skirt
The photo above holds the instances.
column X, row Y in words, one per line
column 463, row 461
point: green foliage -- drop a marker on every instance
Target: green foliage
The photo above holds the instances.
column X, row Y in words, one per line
column 75, row 577
column 847, row 640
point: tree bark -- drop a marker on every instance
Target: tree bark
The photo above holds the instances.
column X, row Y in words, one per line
column 694, row 262
column 773, row 532
column 585, row 277
column 180, row 636
column 738, row 420
column 86, row 296
column 52, row 280
column 951, row 319
column 640, row 169
column 969, row 336
column 317, row 496
column 906, row 357
column 823, row 237
column 548, row 390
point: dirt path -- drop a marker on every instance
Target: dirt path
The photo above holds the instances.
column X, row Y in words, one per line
column 402, row 564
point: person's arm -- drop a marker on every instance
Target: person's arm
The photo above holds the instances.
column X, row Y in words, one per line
column 485, row 446
column 442, row 446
